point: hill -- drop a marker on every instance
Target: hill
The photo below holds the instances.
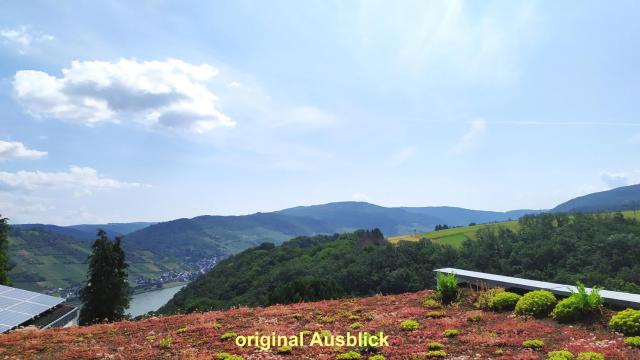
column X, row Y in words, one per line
column 41, row 259
column 622, row 198
column 112, row 229
column 199, row 335
column 594, row 249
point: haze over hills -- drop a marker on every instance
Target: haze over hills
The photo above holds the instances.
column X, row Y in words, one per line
column 183, row 241
column 622, row 198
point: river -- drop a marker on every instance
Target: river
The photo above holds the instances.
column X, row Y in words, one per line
column 151, row 300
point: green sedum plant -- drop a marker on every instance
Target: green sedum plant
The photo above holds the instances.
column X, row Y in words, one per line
column 284, row 350
column 626, row 322
column 533, row 344
column 590, row 355
column 538, row 303
column 451, row 333
column 560, row 355
column 351, row 355
column 632, row 341
column 409, row 325
column 435, row 346
column 436, row 354
column 228, row 335
column 377, row 357
column 447, row 287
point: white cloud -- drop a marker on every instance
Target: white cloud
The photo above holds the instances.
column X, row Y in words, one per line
column 79, row 180
column 469, row 140
column 360, row 197
column 617, row 179
column 169, row 95
column 23, row 38
column 16, row 150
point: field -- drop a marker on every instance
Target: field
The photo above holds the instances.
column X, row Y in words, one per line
column 456, row 236
column 482, row 335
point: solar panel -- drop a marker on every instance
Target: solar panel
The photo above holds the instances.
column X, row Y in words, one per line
column 18, row 306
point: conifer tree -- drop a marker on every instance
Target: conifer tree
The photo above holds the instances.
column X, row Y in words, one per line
column 105, row 297
column 4, row 251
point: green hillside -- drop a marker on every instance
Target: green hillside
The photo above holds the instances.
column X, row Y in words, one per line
column 457, row 235
column 40, row 259
column 600, row 250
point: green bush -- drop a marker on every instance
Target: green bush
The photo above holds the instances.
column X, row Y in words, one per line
column 430, row 303
column 626, row 322
column 435, row 314
column 577, row 305
column 377, row 357
column 533, row 344
column 436, row 354
column 228, row 335
column 409, row 325
column 590, row 355
column 165, row 343
column 485, row 297
column 560, row 355
column 537, row 303
column 633, row 341
column 504, row 301
column 447, row 287
column 451, row 333
column 227, row 356
column 351, row 355
column 435, row 346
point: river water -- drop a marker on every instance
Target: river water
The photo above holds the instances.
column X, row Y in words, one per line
column 151, row 300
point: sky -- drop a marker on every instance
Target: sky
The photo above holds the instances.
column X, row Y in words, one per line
column 120, row 111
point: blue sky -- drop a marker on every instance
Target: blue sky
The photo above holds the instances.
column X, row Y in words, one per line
column 154, row 110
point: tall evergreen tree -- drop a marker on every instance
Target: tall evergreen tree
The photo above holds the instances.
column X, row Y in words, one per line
column 4, row 250
column 105, row 297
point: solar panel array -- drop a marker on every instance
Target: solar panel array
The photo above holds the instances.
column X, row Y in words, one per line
column 18, row 306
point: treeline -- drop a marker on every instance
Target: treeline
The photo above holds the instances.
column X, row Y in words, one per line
column 597, row 250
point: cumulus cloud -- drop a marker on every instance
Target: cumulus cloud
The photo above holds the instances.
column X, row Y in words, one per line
column 80, row 180
column 469, row 140
column 16, row 150
column 169, row 95
column 23, row 37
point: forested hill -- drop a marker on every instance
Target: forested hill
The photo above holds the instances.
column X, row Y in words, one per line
column 618, row 199
column 598, row 250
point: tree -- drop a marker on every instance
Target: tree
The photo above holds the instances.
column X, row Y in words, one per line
column 4, row 250
column 105, row 297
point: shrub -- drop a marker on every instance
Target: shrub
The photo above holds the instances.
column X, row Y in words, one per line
column 484, row 299
column 409, row 325
column 435, row 314
column 533, row 344
column 431, row 303
column 435, row 346
column 504, row 301
column 227, row 356
column 285, row 350
column 560, row 355
column 355, row 326
column 351, row 355
column 626, row 322
column 436, row 354
column 165, row 343
column 447, row 287
column 537, row 303
column 589, row 355
column 633, row 341
column 377, row 357
column 451, row 333
column 228, row 335
column 577, row 305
